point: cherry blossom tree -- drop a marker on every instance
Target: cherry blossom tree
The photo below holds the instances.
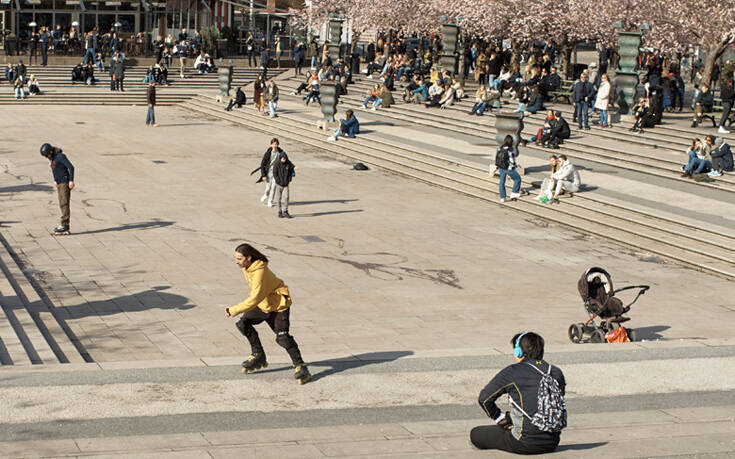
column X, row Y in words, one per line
column 710, row 24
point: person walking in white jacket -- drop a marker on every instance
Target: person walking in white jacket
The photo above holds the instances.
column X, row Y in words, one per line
column 566, row 178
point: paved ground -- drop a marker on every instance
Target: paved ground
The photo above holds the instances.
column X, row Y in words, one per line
column 434, row 281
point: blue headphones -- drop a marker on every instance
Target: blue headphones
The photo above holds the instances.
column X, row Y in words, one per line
column 517, row 351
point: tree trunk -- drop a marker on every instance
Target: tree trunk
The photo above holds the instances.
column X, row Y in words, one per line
column 517, row 48
column 566, row 61
column 462, row 59
column 714, row 51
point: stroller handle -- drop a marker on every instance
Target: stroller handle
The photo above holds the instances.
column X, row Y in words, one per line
column 643, row 289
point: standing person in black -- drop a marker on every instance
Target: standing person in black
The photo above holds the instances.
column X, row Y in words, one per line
column 44, row 37
column 283, row 173
column 250, row 48
column 728, row 97
column 518, row 431
column 150, row 118
column 117, row 69
column 33, row 44
column 298, row 56
column 63, row 172
column 264, row 61
column 581, row 96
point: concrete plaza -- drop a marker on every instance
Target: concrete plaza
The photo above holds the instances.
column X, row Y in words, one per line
column 426, row 285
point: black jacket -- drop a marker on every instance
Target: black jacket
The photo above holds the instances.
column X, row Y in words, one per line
column 266, row 161
column 561, row 129
column 521, row 383
column 582, row 90
column 536, row 100
column 240, row 97
column 725, row 155
column 62, row 168
column 283, row 172
column 726, row 94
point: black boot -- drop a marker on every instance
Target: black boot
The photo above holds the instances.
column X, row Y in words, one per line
column 256, row 361
column 301, row 374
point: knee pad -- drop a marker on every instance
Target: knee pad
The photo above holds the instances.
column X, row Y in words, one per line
column 246, row 328
column 284, row 340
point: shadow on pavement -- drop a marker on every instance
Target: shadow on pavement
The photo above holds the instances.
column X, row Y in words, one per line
column 650, row 333
column 27, row 187
column 370, row 358
column 142, row 301
column 326, row 201
column 129, row 226
column 579, row 446
column 320, row 214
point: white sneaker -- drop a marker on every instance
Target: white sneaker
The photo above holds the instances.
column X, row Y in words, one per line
column 369, row 77
column 374, row 109
column 515, row 195
column 364, row 107
column 332, row 138
column 502, row 199
column 263, row 198
column 722, row 130
column 714, row 174
column 270, row 204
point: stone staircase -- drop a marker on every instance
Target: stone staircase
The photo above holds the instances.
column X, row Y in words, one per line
column 30, row 332
column 58, row 89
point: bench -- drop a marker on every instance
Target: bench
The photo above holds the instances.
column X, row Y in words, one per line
column 564, row 92
column 717, row 109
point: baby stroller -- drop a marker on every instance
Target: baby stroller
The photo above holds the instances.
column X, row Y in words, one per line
column 596, row 289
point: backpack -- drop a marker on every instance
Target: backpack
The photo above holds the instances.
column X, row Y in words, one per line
column 502, row 158
column 551, row 415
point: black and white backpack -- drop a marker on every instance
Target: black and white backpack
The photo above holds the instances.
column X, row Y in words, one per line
column 551, row 415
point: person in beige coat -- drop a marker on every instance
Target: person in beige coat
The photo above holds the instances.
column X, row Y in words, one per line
column 603, row 100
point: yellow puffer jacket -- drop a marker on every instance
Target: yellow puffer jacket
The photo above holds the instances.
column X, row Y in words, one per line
column 267, row 292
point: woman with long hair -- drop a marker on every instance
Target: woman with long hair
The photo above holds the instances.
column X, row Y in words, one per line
column 269, row 301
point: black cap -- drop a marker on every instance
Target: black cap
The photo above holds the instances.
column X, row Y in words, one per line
column 46, row 149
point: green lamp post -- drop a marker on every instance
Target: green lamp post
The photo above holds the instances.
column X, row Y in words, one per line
column 627, row 78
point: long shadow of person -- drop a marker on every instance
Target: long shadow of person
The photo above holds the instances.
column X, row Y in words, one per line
column 579, row 446
column 348, row 363
column 154, row 297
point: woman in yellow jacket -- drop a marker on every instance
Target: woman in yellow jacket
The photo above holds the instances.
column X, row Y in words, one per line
column 269, row 301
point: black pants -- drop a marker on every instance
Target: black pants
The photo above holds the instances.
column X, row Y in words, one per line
column 496, row 437
column 726, row 107
column 279, row 323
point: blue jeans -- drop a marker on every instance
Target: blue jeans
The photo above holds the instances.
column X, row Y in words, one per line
column 151, row 116
column 272, row 106
column 603, row 117
column 89, row 53
column 479, row 107
column 516, row 181
column 377, row 101
column 313, row 62
column 19, row 92
column 44, row 56
column 583, row 109
column 697, row 165
column 533, row 110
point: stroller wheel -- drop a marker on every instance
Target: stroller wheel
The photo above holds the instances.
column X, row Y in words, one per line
column 576, row 331
column 631, row 334
column 598, row 336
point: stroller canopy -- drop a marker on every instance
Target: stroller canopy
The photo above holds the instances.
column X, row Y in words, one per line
column 595, row 283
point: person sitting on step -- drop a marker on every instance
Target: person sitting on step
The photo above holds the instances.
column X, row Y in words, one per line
column 348, row 127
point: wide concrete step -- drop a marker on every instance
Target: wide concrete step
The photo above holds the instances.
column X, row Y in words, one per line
column 43, row 339
column 655, row 163
column 664, row 238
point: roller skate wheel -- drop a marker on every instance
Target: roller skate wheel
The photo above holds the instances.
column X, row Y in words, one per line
column 304, row 380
